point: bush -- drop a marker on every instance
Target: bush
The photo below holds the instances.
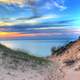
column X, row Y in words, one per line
column 59, row 51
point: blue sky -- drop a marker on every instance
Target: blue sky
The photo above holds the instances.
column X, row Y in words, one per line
column 63, row 8
column 44, row 19
column 56, row 20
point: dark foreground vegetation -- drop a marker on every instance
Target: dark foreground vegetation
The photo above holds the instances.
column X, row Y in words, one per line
column 61, row 50
column 21, row 55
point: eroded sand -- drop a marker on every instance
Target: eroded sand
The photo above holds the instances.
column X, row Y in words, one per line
column 22, row 70
column 71, row 72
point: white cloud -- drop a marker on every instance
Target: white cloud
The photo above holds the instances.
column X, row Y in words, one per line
column 48, row 16
column 36, row 20
column 19, row 2
column 47, row 28
column 59, row 6
column 58, row 3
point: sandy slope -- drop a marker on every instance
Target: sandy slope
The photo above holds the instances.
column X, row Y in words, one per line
column 59, row 69
column 71, row 70
column 15, row 69
column 72, row 75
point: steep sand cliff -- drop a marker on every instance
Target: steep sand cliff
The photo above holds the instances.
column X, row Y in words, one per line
column 70, row 61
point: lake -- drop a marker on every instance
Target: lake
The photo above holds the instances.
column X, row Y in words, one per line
column 40, row 48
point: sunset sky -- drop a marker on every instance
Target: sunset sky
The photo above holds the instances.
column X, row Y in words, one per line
column 24, row 23
column 44, row 19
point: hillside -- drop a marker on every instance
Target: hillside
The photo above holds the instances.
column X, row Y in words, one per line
column 19, row 65
column 72, row 52
column 71, row 61
column 21, row 55
column 69, row 58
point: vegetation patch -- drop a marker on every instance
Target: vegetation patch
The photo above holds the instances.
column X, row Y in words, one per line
column 69, row 62
column 59, row 51
column 18, row 54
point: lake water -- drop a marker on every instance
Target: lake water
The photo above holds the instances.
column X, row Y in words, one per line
column 35, row 47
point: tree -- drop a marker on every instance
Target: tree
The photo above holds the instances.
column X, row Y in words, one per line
column 53, row 50
column 79, row 38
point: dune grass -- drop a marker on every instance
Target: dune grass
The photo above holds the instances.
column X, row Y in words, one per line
column 62, row 49
column 22, row 55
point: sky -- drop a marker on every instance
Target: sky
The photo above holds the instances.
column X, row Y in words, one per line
column 39, row 19
column 55, row 20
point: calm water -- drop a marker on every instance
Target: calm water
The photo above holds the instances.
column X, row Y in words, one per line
column 35, row 47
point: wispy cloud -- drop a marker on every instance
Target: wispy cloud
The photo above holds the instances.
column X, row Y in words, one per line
column 19, row 2
column 60, row 4
column 52, row 4
column 73, row 31
column 47, row 28
column 6, row 24
column 12, row 35
column 33, row 21
column 39, row 19
column 47, row 4
column 62, row 7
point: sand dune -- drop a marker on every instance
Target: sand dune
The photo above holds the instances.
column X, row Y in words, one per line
column 14, row 66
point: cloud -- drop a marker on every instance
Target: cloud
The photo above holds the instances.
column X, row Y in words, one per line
column 6, row 23
column 19, row 2
column 47, row 4
column 38, row 20
column 49, row 16
column 47, row 28
column 59, row 6
column 33, row 21
column 73, row 31
column 12, row 35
